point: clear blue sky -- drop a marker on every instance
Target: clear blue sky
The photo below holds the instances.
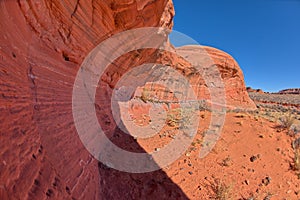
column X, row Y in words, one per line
column 262, row 35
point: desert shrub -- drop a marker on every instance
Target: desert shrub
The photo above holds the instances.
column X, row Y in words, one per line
column 294, row 130
column 287, row 121
column 203, row 105
column 146, row 96
column 296, row 143
column 296, row 161
column 221, row 190
column 179, row 117
column 295, row 165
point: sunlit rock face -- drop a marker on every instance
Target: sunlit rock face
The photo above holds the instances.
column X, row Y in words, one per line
column 231, row 75
column 233, row 78
column 43, row 44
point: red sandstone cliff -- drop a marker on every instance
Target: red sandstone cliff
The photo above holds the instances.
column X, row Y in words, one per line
column 42, row 46
column 231, row 75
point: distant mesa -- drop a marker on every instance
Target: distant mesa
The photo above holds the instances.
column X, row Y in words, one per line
column 290, row 91
column 285, row 91
column 249, row 89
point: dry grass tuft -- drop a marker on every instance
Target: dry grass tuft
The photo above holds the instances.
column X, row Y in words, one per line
column 296, row 164
column 146, row 96
column 222, row 191
column 179, row 117
column 287, row 121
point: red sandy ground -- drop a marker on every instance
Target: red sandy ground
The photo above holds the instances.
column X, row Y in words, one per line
column 242, row 137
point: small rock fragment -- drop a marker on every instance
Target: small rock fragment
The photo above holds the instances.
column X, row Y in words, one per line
column 266, row 181
column 253, row 158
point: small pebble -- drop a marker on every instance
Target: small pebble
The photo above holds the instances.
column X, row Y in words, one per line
column 266, row 181
column 253, row 158
column 278, row 149
column 258, row 156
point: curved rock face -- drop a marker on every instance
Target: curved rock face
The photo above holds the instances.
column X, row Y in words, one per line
column 43, row 44
column 231, row 75
column 233, row 79
column 73, row 28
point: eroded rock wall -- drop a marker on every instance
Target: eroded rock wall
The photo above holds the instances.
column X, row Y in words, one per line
column 43, row 44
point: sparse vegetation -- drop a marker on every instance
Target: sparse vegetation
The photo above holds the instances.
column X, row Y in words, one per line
column 222, row 191
column 287, row 121
column 268, row 196
column 278, row 108
column 250, row 197
column 295, row 165
column 296, row 161
column 275, row 98
column 145, row 96
column 179, row 117
column 226, row 162
column 294, row 130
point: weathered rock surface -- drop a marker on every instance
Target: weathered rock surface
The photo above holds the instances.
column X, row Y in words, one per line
column 231, row 75
column 43, row 44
